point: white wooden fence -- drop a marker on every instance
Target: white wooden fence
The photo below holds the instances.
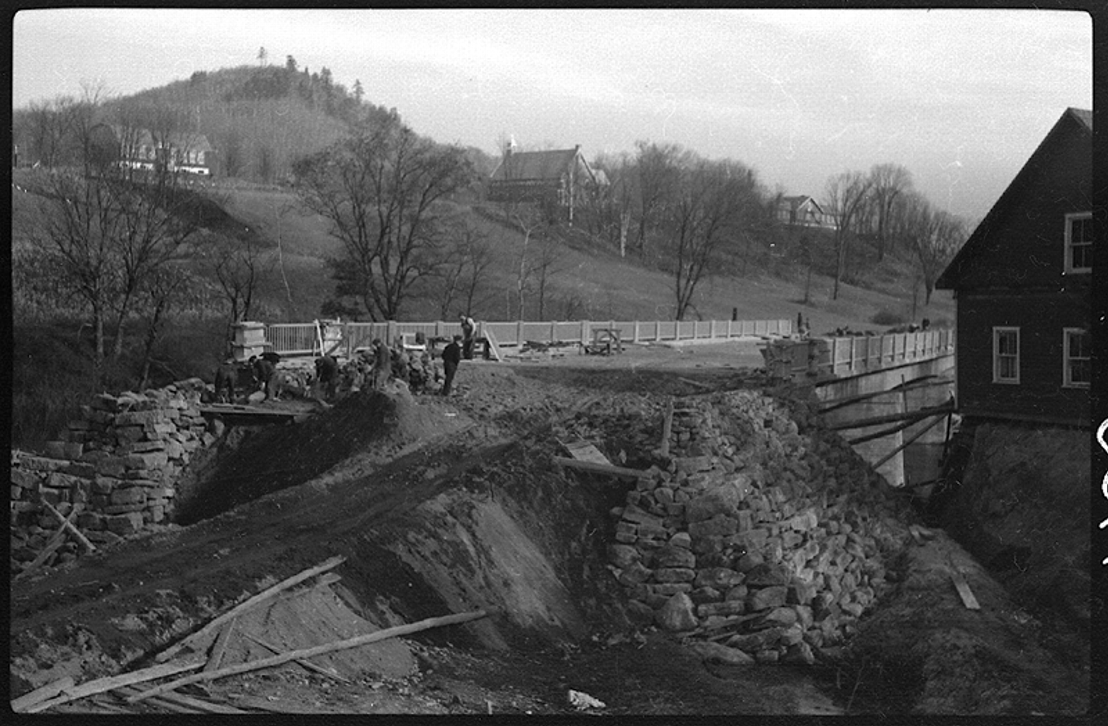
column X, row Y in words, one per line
column 307, row 338
column 822, row 357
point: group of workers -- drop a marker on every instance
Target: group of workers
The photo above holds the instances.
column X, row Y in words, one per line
column 372, row 368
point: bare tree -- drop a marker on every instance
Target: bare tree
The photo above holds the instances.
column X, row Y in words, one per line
column 714, row 206
column 933, row 234
column 658, row 168
column 463, row 272
column 845, row 195
column 382, row 190
column 239, row 269
column 888, row 181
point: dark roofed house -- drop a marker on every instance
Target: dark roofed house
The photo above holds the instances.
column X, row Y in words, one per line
column 562, row 177
column 139, row 149
column 1023, row 292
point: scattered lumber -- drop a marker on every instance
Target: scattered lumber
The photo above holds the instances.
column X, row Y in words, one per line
column 220, row 646
column 70, row 526
column 101, row 685
column 667, row 426
column 907, row 442
column 55, row 542
column 262, row 704
column 327, row 579
column 964, row 591
column 302, row 661
column 41, row 693
column 181, row 701
column 162, row 701
column 597, row 468
column 248, row 604
column 310, row 652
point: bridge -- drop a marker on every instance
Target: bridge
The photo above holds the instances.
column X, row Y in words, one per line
column 889, row 395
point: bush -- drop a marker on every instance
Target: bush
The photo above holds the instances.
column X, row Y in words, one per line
column 888, row 317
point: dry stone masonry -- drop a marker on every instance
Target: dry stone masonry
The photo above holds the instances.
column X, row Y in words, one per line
column 117, row 465
column 754, row 534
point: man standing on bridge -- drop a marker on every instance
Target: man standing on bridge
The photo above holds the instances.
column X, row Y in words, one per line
column 451, row 357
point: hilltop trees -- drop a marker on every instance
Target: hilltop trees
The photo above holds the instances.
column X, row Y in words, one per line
column 383, row 191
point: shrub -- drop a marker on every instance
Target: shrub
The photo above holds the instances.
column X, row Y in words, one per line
column 888, row 317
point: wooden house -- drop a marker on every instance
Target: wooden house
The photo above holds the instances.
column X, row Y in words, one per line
column 803, row 211
column 137, row 148
column 1022, row 288
column 562, row 178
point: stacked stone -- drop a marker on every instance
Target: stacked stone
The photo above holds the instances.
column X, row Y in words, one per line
column 117, row 466
column 754, row 532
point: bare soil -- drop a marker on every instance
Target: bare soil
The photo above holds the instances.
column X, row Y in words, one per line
column 446, row 504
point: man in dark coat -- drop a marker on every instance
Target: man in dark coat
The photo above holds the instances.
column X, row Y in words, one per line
column 266, row 374
column 225, row 376
column 382, row 364
column 451, row 357
column 327, row 373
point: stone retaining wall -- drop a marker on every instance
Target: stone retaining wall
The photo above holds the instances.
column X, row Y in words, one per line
column 117, row 465
column 754, row 534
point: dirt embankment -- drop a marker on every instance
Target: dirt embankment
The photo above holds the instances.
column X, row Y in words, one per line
column 451, row 505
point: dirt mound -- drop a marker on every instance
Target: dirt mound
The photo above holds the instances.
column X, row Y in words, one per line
column 364, row 430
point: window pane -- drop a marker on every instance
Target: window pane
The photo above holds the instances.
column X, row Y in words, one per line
column 1081, row 371
column 1007, row 367
column 1079, row 345
column 1006, row 345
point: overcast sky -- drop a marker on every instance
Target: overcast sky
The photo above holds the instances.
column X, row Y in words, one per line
column 959, row 97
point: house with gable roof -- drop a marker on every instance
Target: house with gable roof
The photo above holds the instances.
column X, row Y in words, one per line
column 138, row 148
column 803, row 211
column 1023, row 289
column 560, row 177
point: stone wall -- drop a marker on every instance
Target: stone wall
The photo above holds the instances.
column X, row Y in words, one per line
column 757, row 533
column 117, row 465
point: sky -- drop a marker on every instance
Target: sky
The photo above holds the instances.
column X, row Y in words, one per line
column 961, row 98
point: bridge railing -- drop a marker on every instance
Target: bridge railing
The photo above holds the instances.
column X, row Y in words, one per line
column 346, row 338
column 847, row 356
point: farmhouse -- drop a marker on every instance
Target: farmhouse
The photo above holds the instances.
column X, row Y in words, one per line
column 141, row 149
column 1023, row 291
column 560, row 177
column 803, row 211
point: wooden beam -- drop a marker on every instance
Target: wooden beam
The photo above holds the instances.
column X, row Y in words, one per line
column 69, row 525
column 302, row 661
column 41, row 693
column 894, row 417
column 248, row 604
column 698, row 384
column 310, row 652
column 596, row 468
column 964, row 590
column 196, row 705
column 54, row 543
column 667, row 426
column 879, row 434
column 101, row 685
column 220, row 646
column 921, row 432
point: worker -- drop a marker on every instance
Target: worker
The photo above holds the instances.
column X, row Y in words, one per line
column 469, row 328
column 266, row 374
column 399, row 363
column 451, row 357
column 326, row 374
column 382, row 364
column 225, row 375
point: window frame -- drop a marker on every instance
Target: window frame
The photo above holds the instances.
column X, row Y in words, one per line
column 1070, row 218
column 997, row 331
column 1067, row 380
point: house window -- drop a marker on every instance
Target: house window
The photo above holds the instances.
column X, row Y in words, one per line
column 1079, row 242
column 1006, row 355
column 1077, row 364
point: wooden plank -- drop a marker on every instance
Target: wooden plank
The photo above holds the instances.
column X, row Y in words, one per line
column 220, row 646
column 42, row 693
column 494, row 348
column 318, row 650
column 302, row 661
column 964, row 590
column 101, row 685
column 599, row 468
column 162, row 701
column 667, row 426
column 907, row 442
column 894, row 417
column 51, row 546
column 698, row 384
column 584, row 451
column 252, row 602
column 194, row 705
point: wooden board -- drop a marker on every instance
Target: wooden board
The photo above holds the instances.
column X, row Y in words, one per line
column 584, row 451
column 964, row 590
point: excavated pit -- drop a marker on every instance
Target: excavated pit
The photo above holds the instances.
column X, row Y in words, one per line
column 453, row 506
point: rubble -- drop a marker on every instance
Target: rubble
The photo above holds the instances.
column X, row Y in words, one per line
column 753, row 533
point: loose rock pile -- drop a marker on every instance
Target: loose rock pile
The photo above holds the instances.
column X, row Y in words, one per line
column 754, row 534
column 117, row 466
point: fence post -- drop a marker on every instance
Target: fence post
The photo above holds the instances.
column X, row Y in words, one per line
column 712, row 329
column 584, row 332
column 635, row 337
column 390, row 332
column 553, row 332
column 519, row 333
column 657, row 331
